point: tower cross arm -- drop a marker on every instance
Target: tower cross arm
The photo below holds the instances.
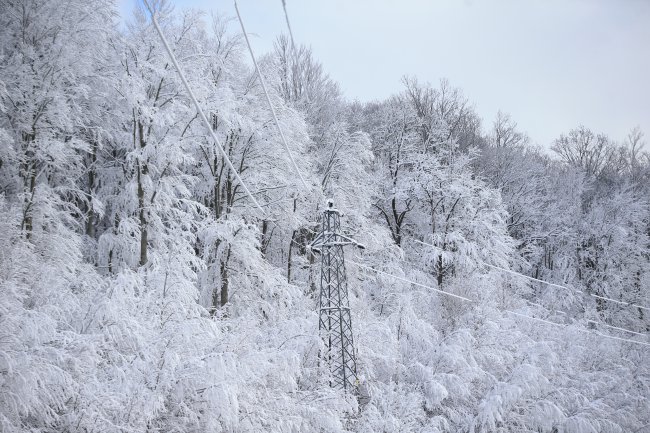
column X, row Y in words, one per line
column 323, row 240
column 349, row 241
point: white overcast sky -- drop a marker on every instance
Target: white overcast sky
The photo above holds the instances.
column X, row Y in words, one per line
column 551, row 64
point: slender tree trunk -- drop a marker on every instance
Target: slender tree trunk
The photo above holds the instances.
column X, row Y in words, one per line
column 143, row 223
column 397, row 233
column 224, row 279
column 29, row 176
column 142, row 170
column 312, row 284
column 90, row 220
column 110, row 261
column 266, row 238
column 216, row 300
column 28, row 219
column 293, row 240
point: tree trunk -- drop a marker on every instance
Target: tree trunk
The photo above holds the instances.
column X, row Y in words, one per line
column 142, row 170
column 266, row 238
column 29, row 176
column 90, row 220
column 143, row 224
column 293, row 239
column 440, row 268
column 28, row 220
column 224, row 279
column 397, row 233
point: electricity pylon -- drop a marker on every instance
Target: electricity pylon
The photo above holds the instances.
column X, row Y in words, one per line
column 334, row 322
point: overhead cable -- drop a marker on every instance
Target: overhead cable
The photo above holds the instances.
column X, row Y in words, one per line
column 509, row 271
column 286, row 17
column 506, row 311
column 268, row 99
column 198, row 107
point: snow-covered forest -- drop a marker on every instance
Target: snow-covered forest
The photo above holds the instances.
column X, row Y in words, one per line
column 142, row 290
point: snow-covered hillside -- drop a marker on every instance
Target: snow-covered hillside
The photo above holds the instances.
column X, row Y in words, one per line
column 141, row 289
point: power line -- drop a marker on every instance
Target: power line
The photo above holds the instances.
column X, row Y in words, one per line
column 576, row 328
column 286, row 17
column 567, row 288
column 509, row 271
column 629, row 304
column 594, row 322
column 506, row 311
column 462, row 298
column 555, row 285
column 571, row 289
column 268, row 99
column 198, row 107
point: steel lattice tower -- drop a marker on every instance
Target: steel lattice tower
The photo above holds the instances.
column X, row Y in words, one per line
column 335, row 323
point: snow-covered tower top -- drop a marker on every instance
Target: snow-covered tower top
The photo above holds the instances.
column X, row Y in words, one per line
column 331, row 209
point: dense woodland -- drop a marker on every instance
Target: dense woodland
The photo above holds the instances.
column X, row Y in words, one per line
column 141, row 290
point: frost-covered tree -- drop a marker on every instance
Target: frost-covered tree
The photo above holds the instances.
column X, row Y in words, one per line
column 459, row 216
column 49, row 294
column 584, row 149
column 45, row 74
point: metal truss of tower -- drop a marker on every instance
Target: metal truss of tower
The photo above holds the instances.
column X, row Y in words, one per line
column 335, row 322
